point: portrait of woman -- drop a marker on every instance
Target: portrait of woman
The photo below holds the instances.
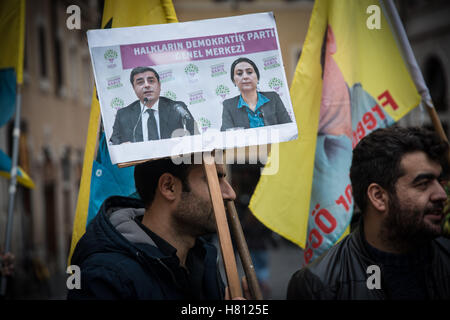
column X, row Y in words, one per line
column 251, row 108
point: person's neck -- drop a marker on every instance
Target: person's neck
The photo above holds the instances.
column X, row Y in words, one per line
column 158, row 222
column 150, row 103
column 251, row 98
column 373, row 233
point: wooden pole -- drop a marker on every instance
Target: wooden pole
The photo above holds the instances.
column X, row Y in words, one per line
column 223, row 231
column 244, row 254
column 413, row 68
column 437, row 124
column 435, row 120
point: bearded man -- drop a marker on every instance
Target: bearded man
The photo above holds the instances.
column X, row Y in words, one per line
column 153, row 249
column 397, row 251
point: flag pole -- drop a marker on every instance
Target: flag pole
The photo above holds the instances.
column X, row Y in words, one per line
column 411, row 63
column 223, row 231
column 244, row 253
column 13, row 182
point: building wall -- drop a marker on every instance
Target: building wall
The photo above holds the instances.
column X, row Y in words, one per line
column 292, row 19
column 56, row 98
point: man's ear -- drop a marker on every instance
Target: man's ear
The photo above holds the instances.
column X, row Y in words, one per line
column 377, row 197
column 168, row 186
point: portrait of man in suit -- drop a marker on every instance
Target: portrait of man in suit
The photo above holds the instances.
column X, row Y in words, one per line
column 151, row 117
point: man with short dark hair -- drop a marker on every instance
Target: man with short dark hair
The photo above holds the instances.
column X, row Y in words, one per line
column 396, row 252
column 153, row 249
column 151, row 117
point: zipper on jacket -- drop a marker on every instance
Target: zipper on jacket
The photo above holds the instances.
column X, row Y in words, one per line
column 140, row 255
column 170, row 272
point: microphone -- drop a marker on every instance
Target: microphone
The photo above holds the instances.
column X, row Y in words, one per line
column 185, row 116
column 183, row 113
column 140, row 116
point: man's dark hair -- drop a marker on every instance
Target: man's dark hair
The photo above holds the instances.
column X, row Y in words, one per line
column 239, row 60
column 147, row 174
column 377, row 157
column 137, row 70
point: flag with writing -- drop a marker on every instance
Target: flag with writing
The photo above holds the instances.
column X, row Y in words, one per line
column 99, row 178
column 351, row 79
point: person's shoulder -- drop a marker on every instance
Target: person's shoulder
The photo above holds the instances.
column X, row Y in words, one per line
column 128, row 108
column 167, row 102
column 235, row 98
column 106, row 275
column 328, row 265
column 304, row 285
column 443, row 244
column 114, row 261
column 231, row 101
column 320, row 278
column 273, row 97
column 113, row 267
column 270, row 94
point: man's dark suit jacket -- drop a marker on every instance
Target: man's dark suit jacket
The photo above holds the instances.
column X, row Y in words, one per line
column 273, row 112
column 128, row 124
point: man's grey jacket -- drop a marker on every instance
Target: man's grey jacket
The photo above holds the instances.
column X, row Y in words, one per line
column 128, row 124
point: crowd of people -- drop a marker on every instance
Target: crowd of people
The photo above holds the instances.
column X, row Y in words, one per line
column 157, row 246
column 154, row 248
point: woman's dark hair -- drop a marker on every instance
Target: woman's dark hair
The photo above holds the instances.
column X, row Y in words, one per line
column 147, row 174
column 377, row 157
column 137, row 70
column 239, row 60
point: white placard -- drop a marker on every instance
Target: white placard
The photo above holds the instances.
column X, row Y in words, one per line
column 193, row 61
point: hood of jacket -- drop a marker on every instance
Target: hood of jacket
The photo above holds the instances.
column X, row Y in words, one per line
column 114, row 230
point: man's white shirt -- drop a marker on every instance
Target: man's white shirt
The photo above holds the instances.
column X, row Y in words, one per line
column 145, row 116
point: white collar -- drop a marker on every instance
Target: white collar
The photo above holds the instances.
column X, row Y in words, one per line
column 154, row 107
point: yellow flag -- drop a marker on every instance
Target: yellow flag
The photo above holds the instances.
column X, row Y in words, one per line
column 116, row 14
column 350, row 80
column 22, row 177
column 12, row 31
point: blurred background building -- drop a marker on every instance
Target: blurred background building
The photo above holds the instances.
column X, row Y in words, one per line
column 56, row 99
column 428, row 28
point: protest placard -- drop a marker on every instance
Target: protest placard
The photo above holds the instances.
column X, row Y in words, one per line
column 199, row 107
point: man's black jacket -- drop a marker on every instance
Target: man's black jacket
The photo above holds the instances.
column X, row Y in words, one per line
column 341, row 273
column 118, row 260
